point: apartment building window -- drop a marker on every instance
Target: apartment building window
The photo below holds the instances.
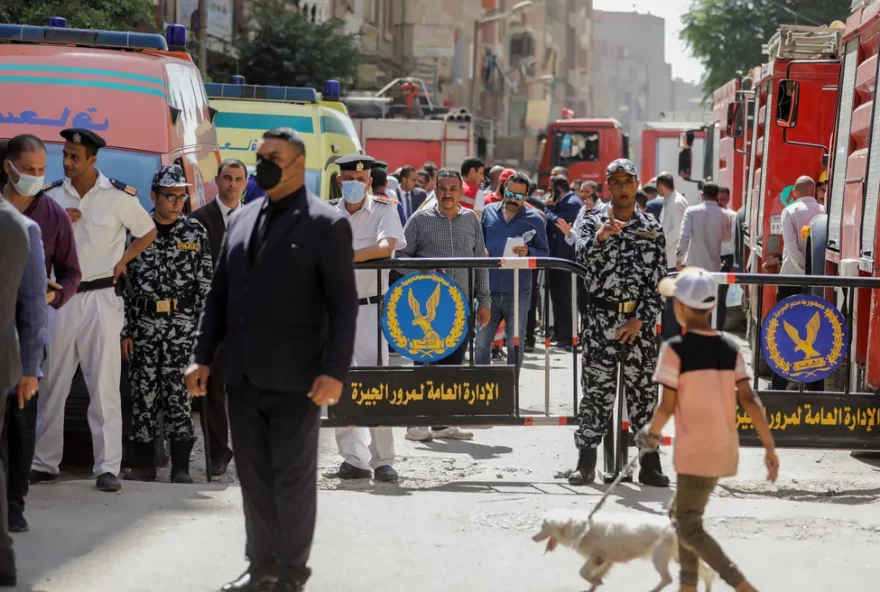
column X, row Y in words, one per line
column 371, row 11
column 388, row 15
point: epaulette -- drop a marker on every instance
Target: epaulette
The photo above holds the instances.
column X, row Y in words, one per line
column 53, row 184
column 123, row 187
column 333, row 202
column 383, row 199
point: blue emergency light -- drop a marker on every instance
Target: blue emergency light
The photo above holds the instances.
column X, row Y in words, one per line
column 175, row 35
column 236, row 79
column 290, row 94
column 332, row 90
column 57, row 33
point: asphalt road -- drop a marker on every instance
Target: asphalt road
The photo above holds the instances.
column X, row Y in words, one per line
column 461, row 518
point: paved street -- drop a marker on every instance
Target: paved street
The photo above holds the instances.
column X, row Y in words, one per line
column 460, row 519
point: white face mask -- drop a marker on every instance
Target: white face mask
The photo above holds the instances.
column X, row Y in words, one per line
column 27, row 185
column 353, row 191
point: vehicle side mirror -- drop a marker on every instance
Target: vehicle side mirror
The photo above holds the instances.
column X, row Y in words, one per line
column 685, row 160
column 787, row 94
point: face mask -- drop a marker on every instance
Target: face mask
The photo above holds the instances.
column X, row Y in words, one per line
column 353, row 191
column 268, row 175
column 27, row 185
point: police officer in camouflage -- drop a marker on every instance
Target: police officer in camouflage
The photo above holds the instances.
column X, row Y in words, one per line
column 624, row 251
column 170, row 279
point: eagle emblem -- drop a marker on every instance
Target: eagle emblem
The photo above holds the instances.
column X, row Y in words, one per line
column 805, row 345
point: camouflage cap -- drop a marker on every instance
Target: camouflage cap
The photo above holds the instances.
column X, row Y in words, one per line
column 170, row 175
column 621, row 165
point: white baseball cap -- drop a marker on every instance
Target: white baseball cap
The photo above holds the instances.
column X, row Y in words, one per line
column 693, row 287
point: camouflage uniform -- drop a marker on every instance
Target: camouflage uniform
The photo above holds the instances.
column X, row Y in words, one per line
column 626, row 267
column 177, row 266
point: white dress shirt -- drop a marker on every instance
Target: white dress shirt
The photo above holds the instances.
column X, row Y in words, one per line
column 100, row 233
column 794, row 218
column 227, row 211
column 728, row 247
column 674, row 207
column 704, row 228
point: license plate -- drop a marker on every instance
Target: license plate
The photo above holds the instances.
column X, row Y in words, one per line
column 776, row 224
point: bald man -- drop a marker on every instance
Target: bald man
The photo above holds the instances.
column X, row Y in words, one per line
column 799, row 214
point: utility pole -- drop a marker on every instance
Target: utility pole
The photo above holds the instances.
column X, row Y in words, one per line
column 203, row 36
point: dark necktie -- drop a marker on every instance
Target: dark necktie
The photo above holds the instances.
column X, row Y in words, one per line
column 263, row 230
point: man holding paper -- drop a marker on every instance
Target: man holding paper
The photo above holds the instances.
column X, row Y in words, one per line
column 510, row 230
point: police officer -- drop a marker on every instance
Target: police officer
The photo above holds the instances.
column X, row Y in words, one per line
column 85, row 332
column 377, row 233
column 624, row 251
column 170, row 280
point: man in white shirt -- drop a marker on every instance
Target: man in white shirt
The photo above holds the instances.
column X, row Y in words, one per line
column 728, row 255
column 703, row 230
column 377, row 232
column 86, row 332
column 674, row 207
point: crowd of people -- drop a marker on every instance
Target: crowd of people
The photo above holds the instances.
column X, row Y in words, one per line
column 193, row 301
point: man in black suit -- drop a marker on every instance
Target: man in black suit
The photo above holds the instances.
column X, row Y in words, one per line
column 566, row 205
column 232, row 179
column 284, row 301
column 411, row 197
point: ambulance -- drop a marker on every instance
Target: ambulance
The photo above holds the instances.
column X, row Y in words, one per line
column 245, row 111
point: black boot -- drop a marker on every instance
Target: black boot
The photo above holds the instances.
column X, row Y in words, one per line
column 180, row 461
column 586, row 468
column 144, row 463
column 650, row 472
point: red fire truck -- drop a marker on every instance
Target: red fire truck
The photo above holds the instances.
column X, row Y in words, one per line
column 661, row 142
column 845, row 241
column 585, row 147
column 801, row 76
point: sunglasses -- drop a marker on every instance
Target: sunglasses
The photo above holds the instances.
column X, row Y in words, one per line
column 511, row 195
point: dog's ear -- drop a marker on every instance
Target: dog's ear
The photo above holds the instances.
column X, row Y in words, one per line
column 551, row 545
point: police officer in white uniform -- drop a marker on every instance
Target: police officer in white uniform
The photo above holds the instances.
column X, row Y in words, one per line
column 85, row 332
column 377, row 233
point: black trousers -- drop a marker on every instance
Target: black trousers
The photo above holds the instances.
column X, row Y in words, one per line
column 214, row 408
column 726, row 267
column 275, row 442
column 532, row 320
column 560, row 295
column 7, row 555
column 17, row 449
column 779, row 383
column 671, row 328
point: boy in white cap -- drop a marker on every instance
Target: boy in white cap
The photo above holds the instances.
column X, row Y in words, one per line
column 702, row 373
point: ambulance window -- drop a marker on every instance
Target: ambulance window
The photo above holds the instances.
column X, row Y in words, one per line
column 335, row 189
column 842, row 139
column 576, row 147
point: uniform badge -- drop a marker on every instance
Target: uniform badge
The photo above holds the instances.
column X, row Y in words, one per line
column 647, row 234
column 76, row 138
column 804, row 338
column 425, row 316
column 187, row 246
column 359, row 167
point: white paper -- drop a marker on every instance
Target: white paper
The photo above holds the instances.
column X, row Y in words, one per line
column 512, row 243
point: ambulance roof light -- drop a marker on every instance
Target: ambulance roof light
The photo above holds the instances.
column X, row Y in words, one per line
column 82, row 37
column 290, row 94
column 58, row 21
column 175, row 35
column 237, row 79
column 332, row 90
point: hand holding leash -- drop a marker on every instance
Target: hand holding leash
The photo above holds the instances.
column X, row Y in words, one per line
column 646, row 441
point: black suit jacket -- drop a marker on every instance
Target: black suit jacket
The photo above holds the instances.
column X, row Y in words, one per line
column 418, row 197
column 211, row 217
column 291, row 316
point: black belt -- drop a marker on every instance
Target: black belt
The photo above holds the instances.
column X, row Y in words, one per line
column 370, row 300
column 163, row 306
column 99, row 284
column 627, row 307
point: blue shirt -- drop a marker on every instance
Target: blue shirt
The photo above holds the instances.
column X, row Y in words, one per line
column 567, row 207
column 31, row 310
column 497, row 230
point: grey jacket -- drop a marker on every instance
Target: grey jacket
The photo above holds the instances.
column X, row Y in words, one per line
column 14, row 247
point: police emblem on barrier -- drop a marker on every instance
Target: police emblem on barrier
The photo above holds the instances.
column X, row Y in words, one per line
column 804, row 338
column 425, row 316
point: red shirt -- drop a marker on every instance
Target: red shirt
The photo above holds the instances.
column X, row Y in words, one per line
column 469, row 195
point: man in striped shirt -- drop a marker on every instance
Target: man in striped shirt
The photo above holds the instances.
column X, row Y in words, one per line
column 449, row 230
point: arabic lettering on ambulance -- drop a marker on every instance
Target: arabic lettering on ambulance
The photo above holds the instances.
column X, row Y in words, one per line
column 82, row 119
column 850, row 418
column 427, row 391
column 252, row 146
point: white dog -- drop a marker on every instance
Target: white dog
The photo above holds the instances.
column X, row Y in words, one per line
column 608, row 540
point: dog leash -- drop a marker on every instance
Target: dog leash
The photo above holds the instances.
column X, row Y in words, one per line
column 630, row 466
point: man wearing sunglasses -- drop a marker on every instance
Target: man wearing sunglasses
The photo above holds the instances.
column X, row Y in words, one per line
column 510, row 219
column 170, row 281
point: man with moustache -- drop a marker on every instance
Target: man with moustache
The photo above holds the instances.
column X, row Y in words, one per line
column 231, row 183
column 624, row 252
column 284, row 302
column 510, row 218
column 170, row 280
column 368, row 452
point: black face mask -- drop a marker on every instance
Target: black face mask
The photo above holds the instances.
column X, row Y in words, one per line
column 268, row 174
